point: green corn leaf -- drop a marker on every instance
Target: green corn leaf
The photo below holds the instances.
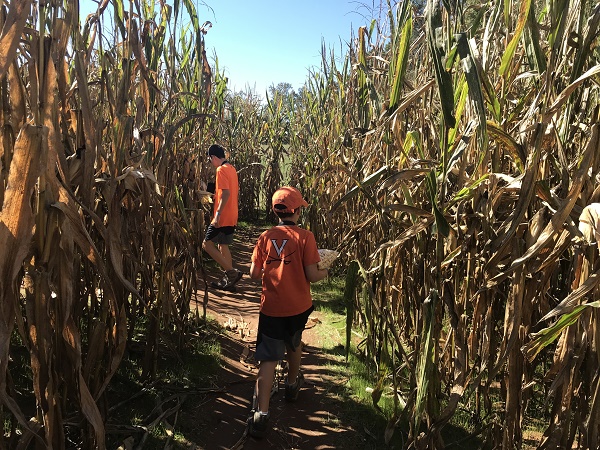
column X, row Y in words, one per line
column 363, row 88
column 401, row 62
column 588, row 46
column 548, row 335
column 491, row 96
column 176, row 6
column 512, row 45
column 435, row 41
column 443, row 227
column 475, row 91
column 425, row 360
column 120, row 16
column 187, row 49
column 467, row 192
column 191, row 10
column 516, row 149
column 413, row 138
column 378, row 390
column 360, row 186
column 349, row 295
column 460, row 102
column 533, row 48
column 181, row 208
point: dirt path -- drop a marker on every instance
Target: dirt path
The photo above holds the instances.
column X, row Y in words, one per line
column 313, row 422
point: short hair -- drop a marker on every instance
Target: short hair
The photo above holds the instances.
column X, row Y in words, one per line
column 282, row 214
column 216, row 150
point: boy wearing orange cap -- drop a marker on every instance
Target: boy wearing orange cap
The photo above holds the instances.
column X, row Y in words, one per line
column 286, row 258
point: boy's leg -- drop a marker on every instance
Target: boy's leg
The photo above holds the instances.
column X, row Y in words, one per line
column 211, row 248
column 233, row 275
column 295, row 378
column 294, row 358
column 258, row 421
column 226, row 253
column 264, row 383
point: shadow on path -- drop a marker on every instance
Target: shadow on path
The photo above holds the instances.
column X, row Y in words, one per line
column 313, row 422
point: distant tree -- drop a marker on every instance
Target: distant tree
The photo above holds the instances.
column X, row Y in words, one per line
column 282, row 91
column 281, row 88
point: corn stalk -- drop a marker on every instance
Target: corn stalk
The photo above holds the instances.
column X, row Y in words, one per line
column 456, row 155
column 102, row 200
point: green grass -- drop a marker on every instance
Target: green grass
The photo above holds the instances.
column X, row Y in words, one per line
column 182, row 376
column 359, row 380
column 131, row 403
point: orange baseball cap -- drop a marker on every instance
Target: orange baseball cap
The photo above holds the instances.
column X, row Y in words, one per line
column 287, row 199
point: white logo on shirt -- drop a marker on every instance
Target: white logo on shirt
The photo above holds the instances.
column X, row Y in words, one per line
column 279, row 249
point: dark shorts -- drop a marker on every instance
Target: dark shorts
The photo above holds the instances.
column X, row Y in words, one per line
column 275, row 334
column 219, row 235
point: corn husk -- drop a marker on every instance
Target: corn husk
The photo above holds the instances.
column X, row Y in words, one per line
column 589, row 223
column 327, row 258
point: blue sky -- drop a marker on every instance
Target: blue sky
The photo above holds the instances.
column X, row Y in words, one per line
column 264, row 42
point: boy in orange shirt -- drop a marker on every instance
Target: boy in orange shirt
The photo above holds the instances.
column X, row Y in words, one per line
column 219, row 234
column 286, row 258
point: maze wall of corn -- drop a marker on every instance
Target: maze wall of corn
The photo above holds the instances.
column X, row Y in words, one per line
column 448, row 150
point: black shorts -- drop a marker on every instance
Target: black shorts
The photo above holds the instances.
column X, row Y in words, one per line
column 275, row 334
column 219, row 235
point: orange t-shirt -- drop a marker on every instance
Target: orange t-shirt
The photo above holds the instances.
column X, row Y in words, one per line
column 283, row 252
column 227, row 179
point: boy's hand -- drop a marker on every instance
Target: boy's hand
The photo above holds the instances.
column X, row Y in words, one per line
column 327, row 258
column 313, row 273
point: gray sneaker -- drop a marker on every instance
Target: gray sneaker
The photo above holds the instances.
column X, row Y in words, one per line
column 222, row 283
column 292, row 390
column 233, row 276
column 258, row 423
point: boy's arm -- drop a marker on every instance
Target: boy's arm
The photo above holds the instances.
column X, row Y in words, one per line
column 224, row 197
column 314, row 274
column 255, row 271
